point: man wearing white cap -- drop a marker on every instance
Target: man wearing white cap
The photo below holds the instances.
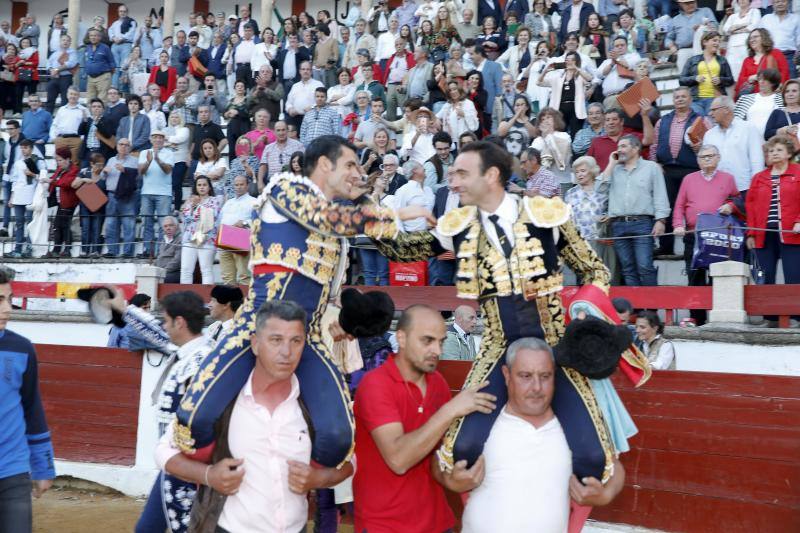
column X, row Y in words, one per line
column 155, row 169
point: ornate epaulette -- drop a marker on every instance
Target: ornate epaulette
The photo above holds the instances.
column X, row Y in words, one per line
column 456, row 221
column 547, row 212
column 284, row 180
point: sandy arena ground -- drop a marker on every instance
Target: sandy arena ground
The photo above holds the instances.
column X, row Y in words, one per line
column 68, row 510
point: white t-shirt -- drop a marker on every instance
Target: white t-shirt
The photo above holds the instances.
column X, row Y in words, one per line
column 205, row 169
column 526, row 487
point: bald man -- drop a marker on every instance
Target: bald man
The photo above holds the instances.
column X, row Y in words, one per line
column 460, row 345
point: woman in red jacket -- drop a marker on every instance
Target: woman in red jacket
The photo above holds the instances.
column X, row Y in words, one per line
column 773, row 202
column 66, row 172
column 27, row 77
column 164, row 76
column 761, row 55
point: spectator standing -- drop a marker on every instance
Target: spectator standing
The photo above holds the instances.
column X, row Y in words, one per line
column 205, row 129
column 492, row 74
column 603, row 145
column 397, row 68
column 207, row 96
column 264, row 52
column 555, row 145
column 369, row 83
column 660, row 352
column 91, row 221
column 574, row 17
column 503, row 106
column 784, row 28
column 27, row 450
column 177, row 102
column 638, row 213
column 365, row 132
column 65, row 173
column 402, row 410
column 155, row 169
column 340, row 96
column 739, row 143
column 116, row 109
column 122, row 34
column 705, row 191
column 135, row 127
column 517, row 58
column 148, row 38
column 9, row 153
column 458, row 115
column 237, row 211
column 211, row 164
column 64, row 129
column 756, row 108
column 27, row 73
column 442, row 268
column 589, row 202
column 460, row 345
column 737, row 28
column 178, row 139
column 200, row 225
column 301, row 97
column 25, row 175
column 772, row 204
column 134, row 73
column 436, row 168
column 277, row 154
column 416, row 193
column 707, row 74
column 60, row 65
column 673, row 151
column 152, row 110
column 165, row 76
column 617, row 71
column 267, row 94
column 518, row 129
column 784, row 121
column 416, row 84
column 325, row 56
column 288, row 62
column 321, row 119
column 28, row 28
column 582, row 140
column 761, row 56
column 466, row 29
column 179, row 50
column 169, row 252
column 237, row 114
column 244, row 164
column 418, row 141
column 568, row 90
column 372, row 156
column 680, row 37
column 122, row 189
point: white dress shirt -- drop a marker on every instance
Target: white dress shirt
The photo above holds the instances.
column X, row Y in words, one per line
column 740, row 150
column 157, row 119
column 507, row 213
column 67, row 120
column 244, row 51
column 301, row 96
column 420, row 151
column 785, row 32
column 526, row 468
column 237, row 209
column 613, row 83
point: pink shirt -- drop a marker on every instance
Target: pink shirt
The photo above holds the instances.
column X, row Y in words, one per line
column 700, row 195
column 258, row 149
column 266, row 441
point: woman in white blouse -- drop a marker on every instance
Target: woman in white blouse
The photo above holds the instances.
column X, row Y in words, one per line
column 211, row 164
column 265, row 51
column 519, row 56
column 536, row 92
column 178, row 139
column 659, row 351
column 340, row 96
column 555, row 145
column 738, row 27
column 458, row 115
column 568, row 90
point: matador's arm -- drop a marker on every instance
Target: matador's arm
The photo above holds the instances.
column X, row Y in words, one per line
column 580, row 257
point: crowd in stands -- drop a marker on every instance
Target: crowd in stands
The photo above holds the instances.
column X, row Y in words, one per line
column 182, row 131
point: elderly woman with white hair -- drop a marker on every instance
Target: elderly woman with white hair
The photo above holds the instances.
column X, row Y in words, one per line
column 589, row 202
column 414, row 193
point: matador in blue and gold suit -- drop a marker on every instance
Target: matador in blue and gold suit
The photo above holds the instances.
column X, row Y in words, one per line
column 520, row 296
column 298, row 252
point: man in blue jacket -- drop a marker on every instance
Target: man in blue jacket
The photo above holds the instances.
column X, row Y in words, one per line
column 26, row 452
column 99, row 66
column 135, row 127
column 569, row 22
column 492, row 75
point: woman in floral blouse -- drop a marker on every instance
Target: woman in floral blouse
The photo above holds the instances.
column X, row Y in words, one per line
column 200, row 220
column 589, row 202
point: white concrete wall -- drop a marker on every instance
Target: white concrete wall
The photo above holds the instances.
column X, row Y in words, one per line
column 737, row 358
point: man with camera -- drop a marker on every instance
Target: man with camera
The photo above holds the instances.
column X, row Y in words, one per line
column 208, row 96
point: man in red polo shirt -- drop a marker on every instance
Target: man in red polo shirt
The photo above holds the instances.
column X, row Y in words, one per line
column 603, row 145
column 402, row 409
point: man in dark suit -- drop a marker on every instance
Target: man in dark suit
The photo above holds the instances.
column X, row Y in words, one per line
column 583, row 8
column 195, row 79
column 282, row 64
column 442, row 269
column 179, row 49
column 490, row 8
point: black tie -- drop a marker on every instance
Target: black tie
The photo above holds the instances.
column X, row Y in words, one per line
column 501, row 235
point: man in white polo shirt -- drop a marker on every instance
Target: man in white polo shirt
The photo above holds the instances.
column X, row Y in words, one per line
column 528, row 464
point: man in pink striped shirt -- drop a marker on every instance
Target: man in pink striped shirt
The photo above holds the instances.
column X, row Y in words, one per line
column 706, row 191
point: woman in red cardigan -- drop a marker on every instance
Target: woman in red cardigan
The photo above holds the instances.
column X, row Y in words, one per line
column 773, row 202
column 762, row 55
column 164, row 76
column 66, row 172
column 27, row 76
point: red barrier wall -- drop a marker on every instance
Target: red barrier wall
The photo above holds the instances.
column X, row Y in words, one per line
column 91, row 398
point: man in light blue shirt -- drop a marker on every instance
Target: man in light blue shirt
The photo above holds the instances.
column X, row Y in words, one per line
column 36, row 123
column 122, row 34
column 784, row 27
column 155, row 171
column 638, row 207
column 680, row 37
column 60, row 65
